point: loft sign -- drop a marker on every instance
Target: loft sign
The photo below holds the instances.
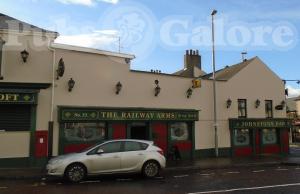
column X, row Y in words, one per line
column 16, row 98
column 128, row 115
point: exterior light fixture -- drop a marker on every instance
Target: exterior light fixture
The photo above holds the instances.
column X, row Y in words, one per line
column 61, row 68
column 282, row 103
column 257, row 103
column 189, row 93
column 24, row 55
column 118, row 87
column 157, row 88
column 228, row 103
column 71, row 84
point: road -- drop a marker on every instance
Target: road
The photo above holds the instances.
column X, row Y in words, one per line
column 275, row 179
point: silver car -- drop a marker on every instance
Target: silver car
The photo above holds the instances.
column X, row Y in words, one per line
column 116, row 156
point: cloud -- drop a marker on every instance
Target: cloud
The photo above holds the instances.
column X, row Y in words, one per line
column 87, row 2
column 101, row 39
column 293, row 92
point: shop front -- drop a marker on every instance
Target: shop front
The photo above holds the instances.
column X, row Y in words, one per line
column 254, row 137
column 170, row 129
column 19, row 140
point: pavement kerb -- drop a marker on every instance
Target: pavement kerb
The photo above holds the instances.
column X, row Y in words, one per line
column 42, row 174
column 261, row 164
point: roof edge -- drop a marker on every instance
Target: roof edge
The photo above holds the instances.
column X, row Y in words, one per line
column 91, row 50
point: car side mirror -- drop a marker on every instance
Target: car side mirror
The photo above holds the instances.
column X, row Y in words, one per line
column 100, row 151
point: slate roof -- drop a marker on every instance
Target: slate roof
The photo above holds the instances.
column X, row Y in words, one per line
column 10, row 23
column 229, row 71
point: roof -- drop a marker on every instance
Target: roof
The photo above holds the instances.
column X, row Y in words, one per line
column 229, row 71
column 186, row 72
column 10, row 23
column 91, row 50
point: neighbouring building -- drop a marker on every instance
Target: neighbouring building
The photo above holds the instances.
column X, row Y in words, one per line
column 292, row 109
column 56, row 99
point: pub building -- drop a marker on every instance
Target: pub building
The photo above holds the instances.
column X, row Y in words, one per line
column 57, row 99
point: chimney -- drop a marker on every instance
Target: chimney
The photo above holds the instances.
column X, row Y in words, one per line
column 192, row 59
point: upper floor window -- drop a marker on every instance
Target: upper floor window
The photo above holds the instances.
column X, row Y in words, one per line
column 269, row 108
column 242, row 108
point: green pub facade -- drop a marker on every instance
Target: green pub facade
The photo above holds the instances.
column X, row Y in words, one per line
column 254, row 137
column 168, row 128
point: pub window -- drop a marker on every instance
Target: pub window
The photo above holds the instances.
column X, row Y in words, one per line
column 269, row 108
column 84, row 131
column 241, row 137
column 269, row 136
column 179, row 131
column 242, row 108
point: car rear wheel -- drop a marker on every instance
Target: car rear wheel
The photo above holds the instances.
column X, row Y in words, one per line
column 75, row 173
column 151, row 169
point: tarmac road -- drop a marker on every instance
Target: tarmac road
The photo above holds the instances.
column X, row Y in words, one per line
column 273, row 179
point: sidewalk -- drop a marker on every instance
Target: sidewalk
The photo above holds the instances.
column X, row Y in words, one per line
column 207, row 163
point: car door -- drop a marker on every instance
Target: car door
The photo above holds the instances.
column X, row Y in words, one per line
column 133, row 156
column 107, row 162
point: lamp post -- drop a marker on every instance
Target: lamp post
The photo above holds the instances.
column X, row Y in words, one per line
column 214, row 82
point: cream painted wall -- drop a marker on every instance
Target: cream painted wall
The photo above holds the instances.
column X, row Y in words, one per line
column 14, row 144
column 96, row 76
column 37, row 69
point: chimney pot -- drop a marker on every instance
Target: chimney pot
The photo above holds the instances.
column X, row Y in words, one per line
column 197, row 52
column 186, row 52
column 194, row 52
column 191, row 52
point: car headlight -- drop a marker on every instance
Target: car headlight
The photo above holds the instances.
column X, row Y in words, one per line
column 55, row 162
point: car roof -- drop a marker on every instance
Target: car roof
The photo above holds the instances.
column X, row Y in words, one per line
column 135, row 140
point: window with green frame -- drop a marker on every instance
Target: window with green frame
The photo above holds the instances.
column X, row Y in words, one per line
column 242, row 108
column 84, row 131
column 241, row 137
column 179, row 131
column 269, row 108
column 269, row 136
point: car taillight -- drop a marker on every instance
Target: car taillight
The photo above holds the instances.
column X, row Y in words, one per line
column 161, row 152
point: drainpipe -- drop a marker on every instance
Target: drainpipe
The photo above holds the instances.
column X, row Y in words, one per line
column 51, row 122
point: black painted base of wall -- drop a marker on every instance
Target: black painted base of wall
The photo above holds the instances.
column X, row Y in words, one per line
column 209, row 153
column 22, row 162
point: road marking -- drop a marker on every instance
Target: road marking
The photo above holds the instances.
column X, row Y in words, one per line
column 159, row 177
column 59, row 183
column 256, row 171
column 3, row 187
column 181, row 176
column 208, row 174
column 89, row 182
column 248, row 188
column 282, row 169
column 298, row 168
column 234, row 172
column 124, row 179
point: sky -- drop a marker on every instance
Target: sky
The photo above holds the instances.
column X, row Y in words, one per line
column 159, row 32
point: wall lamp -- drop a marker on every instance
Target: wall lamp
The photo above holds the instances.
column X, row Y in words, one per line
column 118, row 87
column 257, row 103
column 228, row 103
column 282, row 103
column 24, row 55
column 189, row 93
column 60, row 69
column 157, row 88
column 71, row 84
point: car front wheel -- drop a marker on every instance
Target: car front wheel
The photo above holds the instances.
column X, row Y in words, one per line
column 75, row 173
column 150, row 169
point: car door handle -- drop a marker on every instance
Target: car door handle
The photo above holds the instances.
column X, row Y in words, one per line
column 140, row 154
column 116, row 157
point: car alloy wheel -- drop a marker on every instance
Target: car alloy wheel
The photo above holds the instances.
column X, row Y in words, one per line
column 75, row 173
column 150, row 169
